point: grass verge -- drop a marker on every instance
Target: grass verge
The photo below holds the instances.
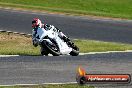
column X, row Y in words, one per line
column 109, row 8
column 14, row 44
column 51, row 86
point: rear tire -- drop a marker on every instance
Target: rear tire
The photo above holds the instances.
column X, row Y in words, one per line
column 75, row 51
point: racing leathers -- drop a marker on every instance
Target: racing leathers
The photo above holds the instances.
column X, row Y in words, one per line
column 39, row 31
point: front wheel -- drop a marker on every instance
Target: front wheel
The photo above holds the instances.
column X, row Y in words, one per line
column 43, row 51
column 52, row 48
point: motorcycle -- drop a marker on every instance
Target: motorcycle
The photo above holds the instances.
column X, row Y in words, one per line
column 52, row 43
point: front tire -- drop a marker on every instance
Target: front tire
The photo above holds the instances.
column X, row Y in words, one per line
column 44, row 51
column 54, row 52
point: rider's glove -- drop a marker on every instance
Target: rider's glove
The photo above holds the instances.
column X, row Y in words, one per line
column 35, row 42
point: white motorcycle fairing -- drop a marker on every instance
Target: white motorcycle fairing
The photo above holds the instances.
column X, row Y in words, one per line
column 53, row 34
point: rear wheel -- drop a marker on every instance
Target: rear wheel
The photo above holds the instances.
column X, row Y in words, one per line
column 75, row 51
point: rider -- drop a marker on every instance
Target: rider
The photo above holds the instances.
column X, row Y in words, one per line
column 37, row 24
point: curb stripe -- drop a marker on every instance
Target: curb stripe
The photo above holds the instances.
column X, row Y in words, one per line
column 16, row 33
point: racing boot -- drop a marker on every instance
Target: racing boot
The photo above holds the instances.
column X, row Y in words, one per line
column 66, row 39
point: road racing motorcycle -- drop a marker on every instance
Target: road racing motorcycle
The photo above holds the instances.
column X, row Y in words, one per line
column 52, row 43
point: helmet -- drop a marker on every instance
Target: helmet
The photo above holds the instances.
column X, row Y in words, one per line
column 36, row 23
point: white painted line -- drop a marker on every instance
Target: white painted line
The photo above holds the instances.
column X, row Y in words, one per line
column 40, row 84
column 8, row 55
column 61, row 83
column 126, row 51
column 19, row 85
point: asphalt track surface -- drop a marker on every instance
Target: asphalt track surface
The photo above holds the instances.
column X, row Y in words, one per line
column 75, row 27
column 39, row 69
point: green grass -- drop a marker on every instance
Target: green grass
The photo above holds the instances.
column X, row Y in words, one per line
column 110, row 8
column 14, row 44
column 100, row 46
column 51, row 86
